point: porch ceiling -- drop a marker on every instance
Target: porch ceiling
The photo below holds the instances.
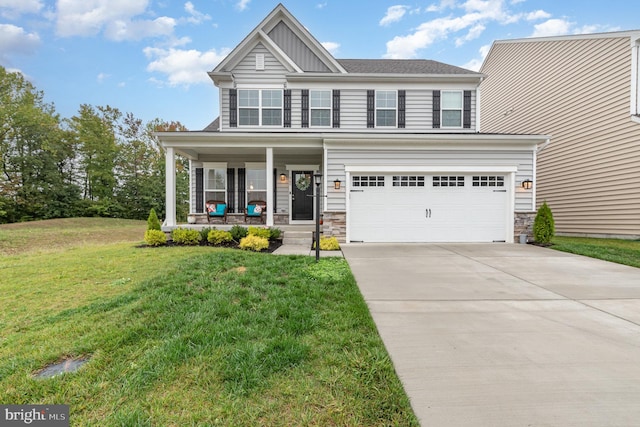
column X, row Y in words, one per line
column 194, row 153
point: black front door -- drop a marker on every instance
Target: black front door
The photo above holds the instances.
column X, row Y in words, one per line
column 301, row 195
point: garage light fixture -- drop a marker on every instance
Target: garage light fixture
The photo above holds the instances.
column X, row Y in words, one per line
column 527, row 184
column 336, row 184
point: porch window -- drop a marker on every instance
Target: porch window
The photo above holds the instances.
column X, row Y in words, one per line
column 320, row 108
column 260, row 107
column 386, row 108
column 215, row 183
column 256, row 178
column 451, row 109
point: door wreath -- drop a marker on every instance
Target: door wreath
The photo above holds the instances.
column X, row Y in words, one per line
column 303, row 182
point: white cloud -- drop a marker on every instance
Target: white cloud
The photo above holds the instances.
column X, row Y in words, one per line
column 475, row 32
column 16, row 40
column 102, row 77
column 475, row 64
column 121, row 30
column 538, row 14
column 12, row 9
column 444, row 4
column 321, row 5
column 183, row 67
column 196, row 17
column 242, row 5
column 394, row 14
column 552, row 27
column 332, row 47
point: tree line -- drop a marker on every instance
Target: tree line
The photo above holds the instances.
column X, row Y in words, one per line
column 100, row 162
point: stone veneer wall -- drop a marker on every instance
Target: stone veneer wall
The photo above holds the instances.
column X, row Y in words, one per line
column 523, row 224
column 335, row 225
column 278, row 219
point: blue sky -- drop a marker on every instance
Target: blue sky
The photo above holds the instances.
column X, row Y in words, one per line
column 150, row 57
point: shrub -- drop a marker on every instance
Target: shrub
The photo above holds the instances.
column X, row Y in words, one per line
column 275, row 233
column 328, row 244
column 260, row 232
column 254, row 243
column 218, row 237
column 204, row 233
column 153, row 223
column 185, row 236
column 155, row 237
column 543, row 225
column 238, row 232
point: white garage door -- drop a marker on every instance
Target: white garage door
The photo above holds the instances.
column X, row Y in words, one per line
column 428, row 208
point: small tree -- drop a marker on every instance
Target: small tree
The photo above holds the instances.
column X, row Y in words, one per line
column 543, row 225
column 153, row 223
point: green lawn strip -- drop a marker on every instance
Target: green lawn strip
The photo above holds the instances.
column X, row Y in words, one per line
column 615, row 250
column 213, row 337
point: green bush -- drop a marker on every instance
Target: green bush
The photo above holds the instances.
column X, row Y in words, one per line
column 260, row 232
column 543, row 225
column 254, row 243
column 218, row 237
column 275, row 233
column 153, row 223
column 238, row 232
column 155, row 237
column 204, row 233
column 328, row 244
column 185, row 236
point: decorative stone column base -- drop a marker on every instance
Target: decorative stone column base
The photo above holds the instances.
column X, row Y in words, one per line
column 335, row 225
column 523, row 224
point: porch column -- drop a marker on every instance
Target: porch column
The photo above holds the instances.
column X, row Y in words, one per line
column 170, row 188
column 270, row 183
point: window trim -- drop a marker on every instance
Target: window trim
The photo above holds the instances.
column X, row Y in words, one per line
column 261, row 108
column 443, row 109
column 394, row 109
column 328, row 108
column 257, row 166
column 208, row 166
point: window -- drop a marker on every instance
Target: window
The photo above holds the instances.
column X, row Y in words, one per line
column 448, row 181
column 408, row 181
column 260, row 107
column 215, row 183
column 452, row 109
column 256, row 178
column 386, row 105
column 488, row 181
column 320, row 107
column 368, row 181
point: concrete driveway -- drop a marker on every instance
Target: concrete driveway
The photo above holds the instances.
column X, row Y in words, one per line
column 506, row 335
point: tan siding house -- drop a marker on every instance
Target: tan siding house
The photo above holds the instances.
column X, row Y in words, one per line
column 583, row 91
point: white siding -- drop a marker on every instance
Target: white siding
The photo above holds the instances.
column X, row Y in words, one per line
column 245, row 72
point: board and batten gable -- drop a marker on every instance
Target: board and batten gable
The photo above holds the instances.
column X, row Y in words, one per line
column 577, row 89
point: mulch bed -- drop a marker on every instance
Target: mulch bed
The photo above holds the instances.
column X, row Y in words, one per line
column 273, row 245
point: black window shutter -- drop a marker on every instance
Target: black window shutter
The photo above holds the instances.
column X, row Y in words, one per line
column 371, row 108
column 401, row 108
column 336, row 108
column 466, row 112
column 233, row 108
column 275, row 190
column 287, row 108
column 436, row 109
column 231, row 190
column 305, row 108
column 199, row 190
column 241, row 189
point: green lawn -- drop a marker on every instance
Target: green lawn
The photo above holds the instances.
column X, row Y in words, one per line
column 188, row 336
column 615, row 250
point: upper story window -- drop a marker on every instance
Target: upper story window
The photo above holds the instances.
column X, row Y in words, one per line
column 260, row 107
column 320, row 108
column 451, row 109
column 386, row 108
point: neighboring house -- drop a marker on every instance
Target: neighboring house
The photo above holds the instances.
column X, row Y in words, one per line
column 583, row 90
column 400, row 137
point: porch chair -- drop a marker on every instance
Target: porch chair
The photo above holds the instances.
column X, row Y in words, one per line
column 216, row 209
column 255, row 209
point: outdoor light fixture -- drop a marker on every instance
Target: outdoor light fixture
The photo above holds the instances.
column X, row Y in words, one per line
column 336, row 184
column 317, row 179
column 527, row 184
column 283, row 177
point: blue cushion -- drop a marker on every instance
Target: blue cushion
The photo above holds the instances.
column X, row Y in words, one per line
column 220, row 207
column 251, row 210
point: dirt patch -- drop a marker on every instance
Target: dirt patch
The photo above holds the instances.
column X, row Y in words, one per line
column 64, row 366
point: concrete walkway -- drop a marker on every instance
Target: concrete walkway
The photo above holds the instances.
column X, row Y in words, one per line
column 506, row 335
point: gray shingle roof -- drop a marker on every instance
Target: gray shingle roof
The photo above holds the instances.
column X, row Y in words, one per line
column 400, row 66
column 214, row 126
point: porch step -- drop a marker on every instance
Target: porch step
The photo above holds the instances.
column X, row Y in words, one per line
column 297, row 238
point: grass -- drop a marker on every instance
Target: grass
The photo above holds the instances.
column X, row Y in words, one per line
column 615, row 250
column 192, row 336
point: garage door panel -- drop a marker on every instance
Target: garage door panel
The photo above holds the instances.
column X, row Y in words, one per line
column 428, row 214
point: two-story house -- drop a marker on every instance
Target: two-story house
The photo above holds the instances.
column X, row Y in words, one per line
column 396, row 143
column 585, row 91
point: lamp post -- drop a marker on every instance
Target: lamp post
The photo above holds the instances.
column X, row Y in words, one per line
column 317, row 179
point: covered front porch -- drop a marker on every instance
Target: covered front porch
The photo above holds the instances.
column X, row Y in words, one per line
column 239, row 170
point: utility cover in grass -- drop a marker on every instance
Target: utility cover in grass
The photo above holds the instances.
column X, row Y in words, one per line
column 67, row 365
